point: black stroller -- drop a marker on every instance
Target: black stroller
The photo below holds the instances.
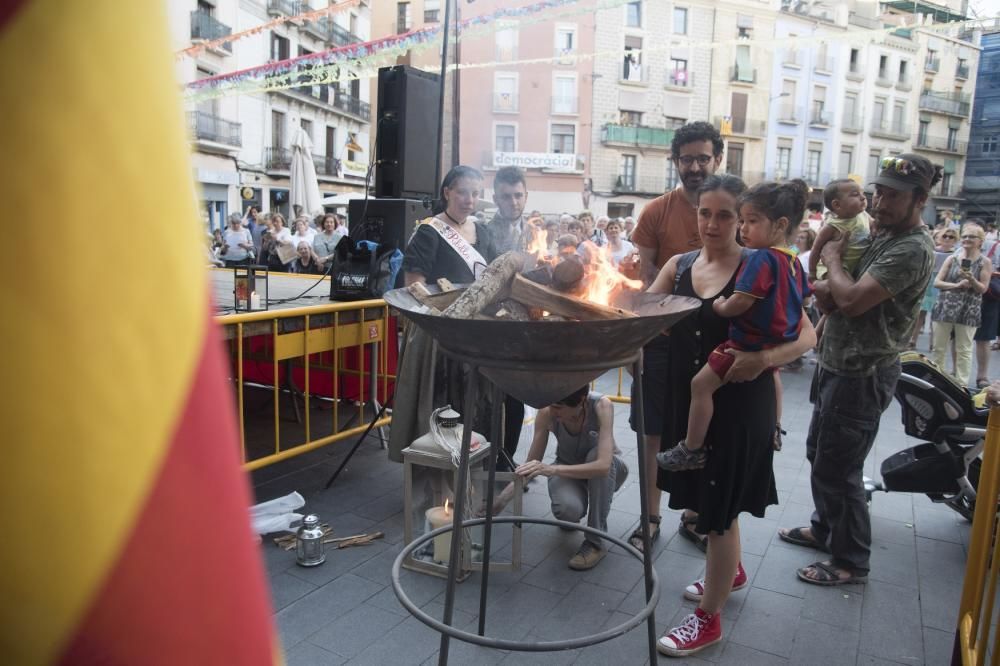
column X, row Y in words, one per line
column 936, row 409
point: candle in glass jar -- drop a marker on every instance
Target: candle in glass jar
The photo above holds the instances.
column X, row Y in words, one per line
column 439, row 516
column 254, row 301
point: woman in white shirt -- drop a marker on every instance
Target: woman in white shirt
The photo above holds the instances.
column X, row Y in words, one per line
column 303, row 232
column 618, row 248
column 237, row 243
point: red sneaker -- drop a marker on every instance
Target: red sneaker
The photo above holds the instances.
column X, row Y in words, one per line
column 697, row 632
column 695, row 590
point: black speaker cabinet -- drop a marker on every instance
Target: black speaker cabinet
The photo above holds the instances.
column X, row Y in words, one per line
column 407, row 128
column 386, row 221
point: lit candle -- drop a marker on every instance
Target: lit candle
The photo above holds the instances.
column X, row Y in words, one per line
column 254, row 301
column 439, row 516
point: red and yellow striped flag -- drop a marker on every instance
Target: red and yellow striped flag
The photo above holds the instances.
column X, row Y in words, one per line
column 127, row 536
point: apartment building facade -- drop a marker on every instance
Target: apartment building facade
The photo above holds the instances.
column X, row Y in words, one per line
column 981, row 191
column 656, row 84
column 241, row 143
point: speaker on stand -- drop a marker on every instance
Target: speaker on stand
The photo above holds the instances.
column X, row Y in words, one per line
column 407, row 133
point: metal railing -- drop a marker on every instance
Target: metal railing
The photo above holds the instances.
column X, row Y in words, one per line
column 855, row 72
column 789, row 113
column 819, row 117
column 565, row 104
column 331, row 356
column 286, row 7
column 895, row 129
column 792, row 58
column 213, row 128
column 631, row 76
column 637, row 135
column 940, row 144
column 956, row 104
column 823, row 64
column 738, row 125
column 639, row 185
column 932, row 64
column 341, row 36
column 744, row 75
column 866, row 22
column 962, row 71
column 982, row 569
column 432, row 15
column 279, row 159
column 679, row 78
column 207, row 27
column 326, row 165
column 852, row 123
column 505, row 102
column 352, row 105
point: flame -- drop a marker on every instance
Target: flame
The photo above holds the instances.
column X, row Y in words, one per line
column 446, row 511
column 538, row 245
column 602, row 278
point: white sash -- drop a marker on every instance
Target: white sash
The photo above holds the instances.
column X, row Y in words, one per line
column 475, row 261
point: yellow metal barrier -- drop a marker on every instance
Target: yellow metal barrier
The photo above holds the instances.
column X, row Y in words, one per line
column 323, row 345
column 975, row 615
column 618, row 396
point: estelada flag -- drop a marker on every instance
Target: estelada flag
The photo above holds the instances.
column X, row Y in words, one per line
column 124, row 509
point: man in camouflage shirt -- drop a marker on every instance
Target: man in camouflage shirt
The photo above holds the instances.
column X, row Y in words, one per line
column 871, row 317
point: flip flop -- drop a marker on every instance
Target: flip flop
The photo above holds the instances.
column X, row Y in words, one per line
column 688, row 533
column 828, row 575
column 796, row 536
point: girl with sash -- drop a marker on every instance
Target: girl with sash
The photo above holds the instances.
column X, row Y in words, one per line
column 451, row 245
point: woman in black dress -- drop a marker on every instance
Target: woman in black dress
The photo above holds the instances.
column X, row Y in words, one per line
column 451, row 245
column 738, row 476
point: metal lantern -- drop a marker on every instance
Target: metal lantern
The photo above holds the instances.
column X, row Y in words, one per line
column 309, row 544
column 248, row 283
column 430, row 479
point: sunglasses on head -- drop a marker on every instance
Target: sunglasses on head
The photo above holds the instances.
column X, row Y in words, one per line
column 902, row 166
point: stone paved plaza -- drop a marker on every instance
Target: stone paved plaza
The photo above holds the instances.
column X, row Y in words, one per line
column 345, row 612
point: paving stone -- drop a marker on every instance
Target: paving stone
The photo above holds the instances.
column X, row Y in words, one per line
column 408, row 643
column 892, row 531
column 338, row 562
column 380, row 509
column 756, row 534
column 420, row 588
column 354, row 631
column 777, row 569
column 893, row 563
column 768, row 622
column 817, row 645
column 286, row 589
column 839, row 606
column 630, row 648
column 307, row 654
column 616, row 571
column 940, row 574
column 734, row 654
column 392, row 528
column 895, row 506
column 553, row 574
column 520, row 610
column 305, row 616
column 941, row 526
column 585, row 611
column 938, row 645
column 890, row 623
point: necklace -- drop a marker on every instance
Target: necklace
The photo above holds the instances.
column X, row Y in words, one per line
column 457, row 223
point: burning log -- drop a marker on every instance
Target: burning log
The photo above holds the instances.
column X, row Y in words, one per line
column 513, row 311
column 445, row 285
column 491, row 287
column 567, row 276
column 536, row 295
column 436, row 302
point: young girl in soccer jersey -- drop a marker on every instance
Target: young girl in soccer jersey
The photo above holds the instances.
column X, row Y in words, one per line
column 765, row 308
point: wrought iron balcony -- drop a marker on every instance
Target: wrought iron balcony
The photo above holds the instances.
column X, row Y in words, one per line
column 961, row 71
column 207, row 127
column 729, row 125
column 932, row 64
column 622, row 184
column 789, row 113
column 955, row 104
column 680, row 78
column 742, row 74
column 206, row 27
column 819, row 117
column 352, row 105
column 341, row 36
column 278, row 159
column 637, row 135
column 853, row 123
column 940, row 144
column 326, row 165
column 885, row 129
column 286, row 7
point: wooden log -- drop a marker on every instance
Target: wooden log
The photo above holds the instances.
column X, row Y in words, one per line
column 567, row 276
column 491, row 287
column 539, row 296
column 512, row 311
column 445, row 285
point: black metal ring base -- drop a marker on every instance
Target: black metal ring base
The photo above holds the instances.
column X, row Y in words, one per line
column 522, row 646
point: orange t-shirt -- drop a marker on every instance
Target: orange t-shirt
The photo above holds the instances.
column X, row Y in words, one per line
column 669, row 225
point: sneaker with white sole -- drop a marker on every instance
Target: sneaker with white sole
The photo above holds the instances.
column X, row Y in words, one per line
column 587, row 556
column 697, row 632
column 696, row 590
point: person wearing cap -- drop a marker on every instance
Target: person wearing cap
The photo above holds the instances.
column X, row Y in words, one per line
column 237, row 243
column 871, row 311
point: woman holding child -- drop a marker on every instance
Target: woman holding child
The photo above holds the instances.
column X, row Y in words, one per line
column 737, row 474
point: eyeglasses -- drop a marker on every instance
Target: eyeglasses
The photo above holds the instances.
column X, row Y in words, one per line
column 949, row 237
column 902, row 166
column 970, row 237
column 688, row 160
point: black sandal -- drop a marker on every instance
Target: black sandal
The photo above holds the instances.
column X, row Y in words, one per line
column 688, row 533
column 635, row 539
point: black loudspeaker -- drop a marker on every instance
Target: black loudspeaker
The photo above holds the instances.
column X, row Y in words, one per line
column 388, row 222
column 407, row 133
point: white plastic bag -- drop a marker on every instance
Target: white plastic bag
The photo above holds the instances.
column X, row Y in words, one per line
column 276, row 515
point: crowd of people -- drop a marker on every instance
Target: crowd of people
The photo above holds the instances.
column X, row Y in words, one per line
column 775, row 278
column 265, row 239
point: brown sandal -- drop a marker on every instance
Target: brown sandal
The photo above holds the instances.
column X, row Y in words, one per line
column 635, row 539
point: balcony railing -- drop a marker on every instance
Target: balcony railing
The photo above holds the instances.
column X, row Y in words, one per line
column 789, row 113
column 286, row 7
column 635, row 185
column 326, row 165
column 855, row 72
column 956, row 104
column 679, row 78
column 852, row 123
column 637, row 135
column 728, row 125
column 883, row 79
column 352, row 105
column 278, row 159
column 505, row 102
column 207, row 127
column 341, row 36
column 932, row 64
column 432, row 15
column 792, row 58
column 904, row 84
column 819, row 116
column 206, row 27
column 823, row 64
column 940, row 144
column 634, row 74
column 742, row 75
column 866, row 22
column 890, row 129
column 565, row 104
column 962, row 71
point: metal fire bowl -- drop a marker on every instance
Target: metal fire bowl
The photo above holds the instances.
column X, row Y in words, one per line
column 542, row 362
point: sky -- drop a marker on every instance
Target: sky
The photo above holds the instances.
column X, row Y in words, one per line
column 984, row 8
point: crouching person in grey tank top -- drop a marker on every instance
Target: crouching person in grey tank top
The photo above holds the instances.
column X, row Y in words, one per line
column 587, row 470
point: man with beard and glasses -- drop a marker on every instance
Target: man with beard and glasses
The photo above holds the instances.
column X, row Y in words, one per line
column 872, row 312
column 669, row 226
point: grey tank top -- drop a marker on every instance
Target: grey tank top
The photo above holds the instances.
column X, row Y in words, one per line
column 572, row 449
